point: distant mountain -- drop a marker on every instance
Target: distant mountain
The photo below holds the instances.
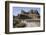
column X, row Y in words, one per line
column 23, row 12
column 30, row 12
column 36, row 12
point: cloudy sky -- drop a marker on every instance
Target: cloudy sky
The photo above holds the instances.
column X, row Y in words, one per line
column 17, row 10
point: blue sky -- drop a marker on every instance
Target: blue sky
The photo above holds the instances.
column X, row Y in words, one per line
column 17, row 10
